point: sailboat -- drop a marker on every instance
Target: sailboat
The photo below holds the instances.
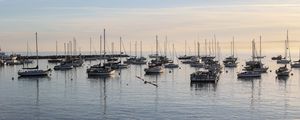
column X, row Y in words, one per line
column 231, row 60
column 140, row 60
column 255, row 64
column 195, row 61
column 296, row 64
column 116, row 63
column 34, row 71
column 253, row 68
column 283, row 71
column 155, row 66
column 26, row 60
column 184, row 57
column 286, row 60
column 172, row 65
column 211, row 71
column 55, row 60
column 66, row 64
column 101, row 69
column 91, row 57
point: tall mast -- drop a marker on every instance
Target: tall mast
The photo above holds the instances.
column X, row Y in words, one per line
column 65, row 49
column 195, row 48
column 205, row 47
column 100, row 48
column 130, row 47
column 198, row 47
column 90, row 46
column 56, row 48
column 37, row 50
column 173, row 55
column 219, row 50
column 156, row 47
column 74, row 46
column 215, row 45
column 135, row 47
column 71, row 53
column 260, row 46
column 27, row 50
column 253, row 51
column 285, row 47
column 166, row 42
column 288, row 45
column 112, row 48
column 209, row 49
column 184, row 47
column 231, row 51
column 104, row 41
column 141, row 49
column 233, row 46
column 120, row 45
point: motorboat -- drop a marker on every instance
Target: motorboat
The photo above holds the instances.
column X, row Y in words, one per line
column 13, row 61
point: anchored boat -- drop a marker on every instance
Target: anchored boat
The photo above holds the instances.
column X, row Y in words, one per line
column 287, row 57
column 283, row 71
column 248, row 74
column 34, row 71
column 155, row 66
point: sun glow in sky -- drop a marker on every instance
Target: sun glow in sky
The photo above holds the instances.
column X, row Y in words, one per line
column 136, row 20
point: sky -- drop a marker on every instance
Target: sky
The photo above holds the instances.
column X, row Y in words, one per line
column 142, row 20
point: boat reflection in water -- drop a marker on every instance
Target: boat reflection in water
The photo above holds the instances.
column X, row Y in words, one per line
column 282, row 78
column 35, row 79
column 102, row 80
column 203, row 86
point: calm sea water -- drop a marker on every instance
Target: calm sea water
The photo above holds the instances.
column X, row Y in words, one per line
column 73, row 95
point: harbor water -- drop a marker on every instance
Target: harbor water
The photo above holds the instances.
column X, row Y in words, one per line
column 72, row 94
